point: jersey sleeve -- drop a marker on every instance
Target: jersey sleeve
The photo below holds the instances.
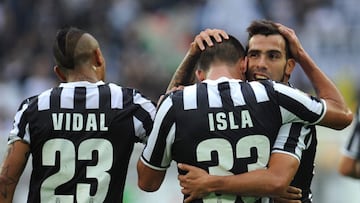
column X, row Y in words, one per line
column 144, row 117
column 352, row 145
column 157, row 152
column 20, row 130
column 297, row 106
column 291, row 139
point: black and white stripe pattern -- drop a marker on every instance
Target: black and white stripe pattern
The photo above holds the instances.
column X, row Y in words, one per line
column 230, row 126
column 270, row 103
column 77, row 126
column 85, row 96
column 352, row 146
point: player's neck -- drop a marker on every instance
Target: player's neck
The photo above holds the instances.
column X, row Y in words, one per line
column 215, row 73
column 83, row 74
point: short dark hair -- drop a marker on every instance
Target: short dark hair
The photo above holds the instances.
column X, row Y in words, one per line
column 64, row 46
column 228, row 51
column 266, row 27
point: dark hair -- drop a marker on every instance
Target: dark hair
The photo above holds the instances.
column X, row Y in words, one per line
column 228, row 51
column 64, row 46
column 266, row 27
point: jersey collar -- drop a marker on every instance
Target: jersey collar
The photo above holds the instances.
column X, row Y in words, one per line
column 81, row 84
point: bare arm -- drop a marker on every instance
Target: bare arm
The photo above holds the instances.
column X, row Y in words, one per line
column 185, row 73
column 274, row 180
column 338, row 114
column 149, row 179
column 349, row 167
column 12, row 168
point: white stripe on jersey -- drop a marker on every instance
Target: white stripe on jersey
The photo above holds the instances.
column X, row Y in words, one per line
column 259, row 91
column 189, row 97
column 214, row 96
column 288, row 117
column 161, row 113
column 116, row 96
column 44, row 100
column 67, row 98
column 93, row 96
column 236, row 94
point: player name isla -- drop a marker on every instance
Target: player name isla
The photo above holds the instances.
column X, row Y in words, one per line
column 226, row 120
column 79, row 122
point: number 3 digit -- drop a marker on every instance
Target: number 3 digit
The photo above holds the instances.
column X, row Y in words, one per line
column 226, row 159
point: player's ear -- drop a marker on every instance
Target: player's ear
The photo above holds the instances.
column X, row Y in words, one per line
column 243, row 64
column 290, row 66
column 200, row 74
column 99, row 60
column 59, row 73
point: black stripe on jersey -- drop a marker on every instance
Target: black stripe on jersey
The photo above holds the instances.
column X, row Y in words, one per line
column 55, row 98
column 202, row 97
column 128, row 97
column 104, row 97
column 141, row 114
column 80, row 98
column 249, row 94
column 290, row 104
column 224, row 90
column 22, row 124
column 293, row 139
column 351, row 141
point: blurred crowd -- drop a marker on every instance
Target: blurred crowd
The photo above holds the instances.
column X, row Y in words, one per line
column 144, row 41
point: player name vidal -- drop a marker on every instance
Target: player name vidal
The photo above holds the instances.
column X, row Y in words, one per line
column 79, row 122
column 226, row 120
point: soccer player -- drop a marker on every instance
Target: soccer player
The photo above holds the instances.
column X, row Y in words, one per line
column 273, row 50
column 350, row 161
column 80, row 134
column 228, row 126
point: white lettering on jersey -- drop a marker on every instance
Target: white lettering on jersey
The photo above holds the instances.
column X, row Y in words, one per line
column 78, row 122
column 224, row 121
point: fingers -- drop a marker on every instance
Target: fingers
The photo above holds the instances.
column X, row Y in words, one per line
column 184, row 167
column 204, row 37
column 292, row 195
column 295, row 190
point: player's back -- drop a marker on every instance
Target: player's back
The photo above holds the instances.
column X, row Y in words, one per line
column 81, row 137
column 227, row 127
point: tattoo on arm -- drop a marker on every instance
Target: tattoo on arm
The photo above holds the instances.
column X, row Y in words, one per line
column 8, row 179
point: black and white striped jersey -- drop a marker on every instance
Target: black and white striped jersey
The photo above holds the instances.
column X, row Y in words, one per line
column 229, row 126
column 305, row 172
column 81, row 136
column 352, row 146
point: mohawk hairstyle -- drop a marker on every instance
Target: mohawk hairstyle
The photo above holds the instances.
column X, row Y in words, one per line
column 64, row 46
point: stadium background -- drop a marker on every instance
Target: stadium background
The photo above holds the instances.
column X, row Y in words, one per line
column 144, row 41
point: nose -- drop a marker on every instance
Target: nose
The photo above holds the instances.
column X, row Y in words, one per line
column 261, row 63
